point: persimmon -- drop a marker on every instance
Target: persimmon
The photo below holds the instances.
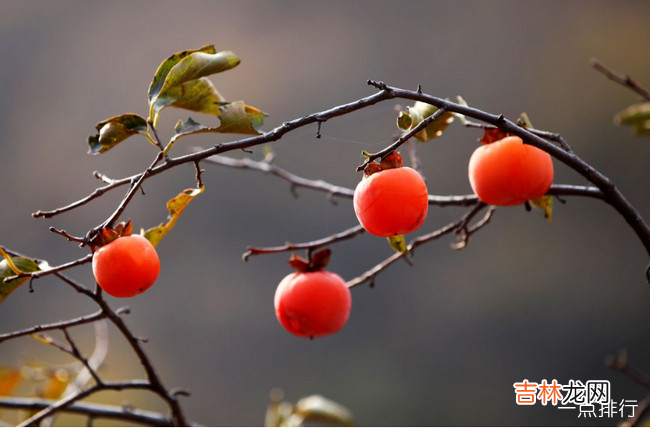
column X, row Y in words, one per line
column 508, row 172
column 126, row 266
column 391, row 199
column 312, row 302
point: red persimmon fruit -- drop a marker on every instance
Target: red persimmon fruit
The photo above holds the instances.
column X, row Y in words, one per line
column 127, row 266
column 508, row 172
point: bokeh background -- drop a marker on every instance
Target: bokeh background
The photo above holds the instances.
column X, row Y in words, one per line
column 439, row 343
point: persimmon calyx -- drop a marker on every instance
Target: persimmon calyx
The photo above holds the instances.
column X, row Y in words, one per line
column 107, row 235
column 318, row 261
column 389, row 161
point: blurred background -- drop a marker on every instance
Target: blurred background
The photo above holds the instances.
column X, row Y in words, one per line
column 439, row 343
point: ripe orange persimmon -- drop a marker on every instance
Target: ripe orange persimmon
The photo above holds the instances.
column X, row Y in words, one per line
column 392, row 201
column 127, row 266
column 508, row 172
column 312, row 302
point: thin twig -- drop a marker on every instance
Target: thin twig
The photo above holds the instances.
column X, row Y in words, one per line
column 93, row 410
column 53, row 270
column 127, row 198
column 66, row 401
column 152, row 376
column 464, row 231
column 67, row 235
column 197, row 175
column 75, row 352
column 640, row 414
column 620, row 363
column 370, row 274
column 86, row 319
column 103, row 177
column 552, row 136
column 295, row 180
column 404, row 138
column 621, row 79
column 312, row 245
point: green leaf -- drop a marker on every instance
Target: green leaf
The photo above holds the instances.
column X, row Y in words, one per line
column 165, row 67
column 316, row 408
column 239, row 118
column 637, row 116
column 175, row 206
column 235, row 117
column 524, row 121
column 545, row 203
column 187, row 66
column 198, row 95
column 397, row 243
column 417, row 113
column 24, row 265
column 112, row 131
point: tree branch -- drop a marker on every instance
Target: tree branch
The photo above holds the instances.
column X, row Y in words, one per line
column 371, row 273
column 92, row 410
column 312, row 245
column 611, row 194
column 86, row 319
column 66, row 401
column 621, row 79
column 404, row 138
column 53, row 270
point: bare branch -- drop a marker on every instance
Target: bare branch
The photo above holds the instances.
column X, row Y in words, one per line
column 371, row 273
column 68, row 400
column 405, row 137
column 53, row 270
column 640, row 414
column 611, row 194
column 93, row 410
column 552, row 136
column 75, row 352
column 67, row 235
column 621, row 364
column 86, row 319
column 464, row 231
column 621, row 79
column 312, row 245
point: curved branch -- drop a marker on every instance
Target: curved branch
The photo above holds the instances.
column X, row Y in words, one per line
column 611, row 194
column 312, row 245
column 86, row 319
column 91, row 410
column 66, row 401
column 53, row 270
column 624, row 80
column 404, row 138
column 295, row 180
column 369, row 275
